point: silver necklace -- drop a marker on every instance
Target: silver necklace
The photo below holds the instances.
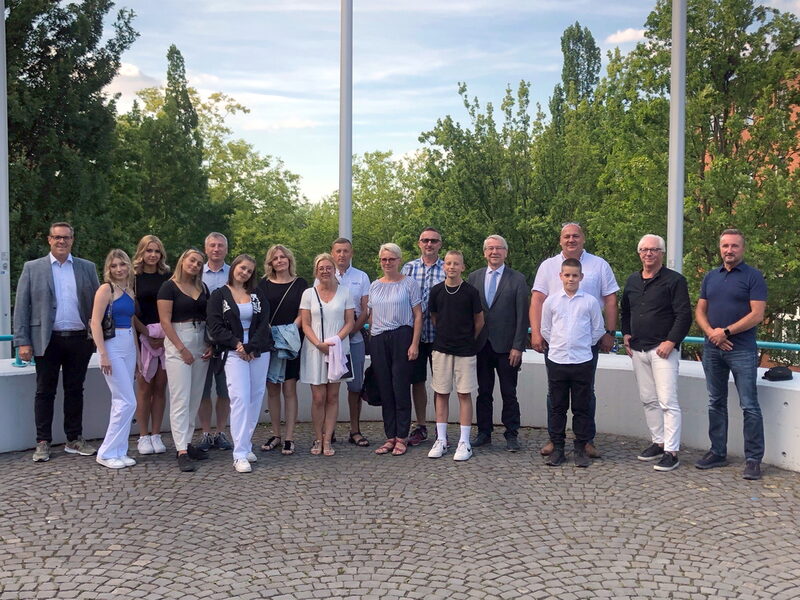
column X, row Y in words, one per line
column 458, row 288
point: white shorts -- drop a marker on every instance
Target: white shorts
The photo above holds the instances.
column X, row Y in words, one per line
column 447, row 367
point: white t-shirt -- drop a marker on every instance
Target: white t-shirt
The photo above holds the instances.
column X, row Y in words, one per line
column 598, row 278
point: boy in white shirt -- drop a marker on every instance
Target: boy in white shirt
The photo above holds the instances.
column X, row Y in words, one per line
column 572, row 322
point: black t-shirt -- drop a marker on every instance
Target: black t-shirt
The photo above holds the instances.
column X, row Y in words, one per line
column 455, row 309
column 184, row 308
column 291, row 304
column 147, row 286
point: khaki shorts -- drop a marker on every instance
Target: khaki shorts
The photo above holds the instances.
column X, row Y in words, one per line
column 447, row 367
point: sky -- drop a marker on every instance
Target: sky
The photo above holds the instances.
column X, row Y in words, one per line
column 280, row 58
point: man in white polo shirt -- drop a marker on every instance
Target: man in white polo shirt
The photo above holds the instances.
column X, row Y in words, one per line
column 598, row 280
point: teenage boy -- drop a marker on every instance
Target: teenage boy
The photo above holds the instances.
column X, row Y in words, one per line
column 457, row 314
column 572, row 322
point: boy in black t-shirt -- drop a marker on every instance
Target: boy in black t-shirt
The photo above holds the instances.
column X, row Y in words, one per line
column 456, row 311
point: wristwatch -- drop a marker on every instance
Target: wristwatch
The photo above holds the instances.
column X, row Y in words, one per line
column 727, row 332
column 611, row 332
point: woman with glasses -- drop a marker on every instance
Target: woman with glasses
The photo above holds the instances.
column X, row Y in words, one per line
column 395, row 326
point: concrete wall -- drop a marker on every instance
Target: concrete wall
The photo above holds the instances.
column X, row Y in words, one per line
column 619, row 410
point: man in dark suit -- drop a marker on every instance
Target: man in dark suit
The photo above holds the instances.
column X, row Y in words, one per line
column 504, row 296
column 51, row 318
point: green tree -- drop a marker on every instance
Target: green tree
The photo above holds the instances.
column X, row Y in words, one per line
column 61, row 125
column 581, row 68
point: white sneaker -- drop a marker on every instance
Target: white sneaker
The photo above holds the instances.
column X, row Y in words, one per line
column 111, row 463
column 251, row 457
column 158, row 445
column 145, row 445
column 129, row 462
column 439, row 449
column 242, row 465
column 463, row 452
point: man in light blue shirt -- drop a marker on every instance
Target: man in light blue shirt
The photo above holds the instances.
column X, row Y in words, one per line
column 215, row 275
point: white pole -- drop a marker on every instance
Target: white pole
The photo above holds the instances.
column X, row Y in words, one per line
column 5, row 255
column 346, row 122
column 677, row 142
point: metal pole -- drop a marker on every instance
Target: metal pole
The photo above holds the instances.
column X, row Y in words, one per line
column 346, row 122
column 677, row 142
column 5, row 255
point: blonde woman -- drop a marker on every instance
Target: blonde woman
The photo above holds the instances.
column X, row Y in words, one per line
column 326, row 313
column 151, row 269
column 284, row 290
column 117, row 355
column 182, row 312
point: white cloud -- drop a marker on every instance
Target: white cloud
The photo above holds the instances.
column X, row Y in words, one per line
column 128, row 81
column 784, row 5
column 625, row 36
column 292, row 122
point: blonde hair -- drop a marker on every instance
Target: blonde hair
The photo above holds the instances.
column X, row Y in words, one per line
column 177, row 276
column 138, row 258
column 116, row 253
column 270, row 256
column 320, row 257
column 393, row 248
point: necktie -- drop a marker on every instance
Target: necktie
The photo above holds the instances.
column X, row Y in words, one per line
column 492, row 288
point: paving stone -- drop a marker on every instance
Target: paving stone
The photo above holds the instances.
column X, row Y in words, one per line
column 360, row 526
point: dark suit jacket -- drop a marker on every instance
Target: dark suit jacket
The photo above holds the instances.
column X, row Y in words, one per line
column 506, row 321
column 35, row 305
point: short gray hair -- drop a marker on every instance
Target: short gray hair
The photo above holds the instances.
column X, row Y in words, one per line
column 391, row 247
column 661, row 243
column 497, row 237
column 215, row 235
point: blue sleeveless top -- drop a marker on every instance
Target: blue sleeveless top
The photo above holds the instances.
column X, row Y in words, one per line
column 122, row 310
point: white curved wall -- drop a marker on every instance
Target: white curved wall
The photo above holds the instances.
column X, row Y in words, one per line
column 619, row 410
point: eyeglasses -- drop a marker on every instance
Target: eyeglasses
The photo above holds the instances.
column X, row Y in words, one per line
column 649, row 250
column 60, row 238
column 495, row 248
column 322, row 269
column 430, row 241
column 389, row 260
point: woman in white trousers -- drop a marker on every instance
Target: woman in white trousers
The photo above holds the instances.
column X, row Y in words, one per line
column 182, row 312
column 238, row 322
column 117, row 355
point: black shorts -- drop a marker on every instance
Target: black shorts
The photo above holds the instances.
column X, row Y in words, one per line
column 419, row 368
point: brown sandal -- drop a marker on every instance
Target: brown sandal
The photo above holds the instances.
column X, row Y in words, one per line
column 316, row 448
column 387, row 447
column 399, row 448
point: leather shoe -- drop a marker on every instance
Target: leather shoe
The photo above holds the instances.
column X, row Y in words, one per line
column 547, row 449
column 512, row 444
column 557, row 457
column 482, row 439
column 591, row 451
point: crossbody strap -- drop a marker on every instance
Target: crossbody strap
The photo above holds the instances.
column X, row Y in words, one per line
column 272, row 318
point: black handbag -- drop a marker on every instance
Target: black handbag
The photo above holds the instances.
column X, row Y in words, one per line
column 370, row 393
column 107, row 324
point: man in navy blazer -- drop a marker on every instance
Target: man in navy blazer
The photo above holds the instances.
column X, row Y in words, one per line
column 504, row 296
column 51, row 318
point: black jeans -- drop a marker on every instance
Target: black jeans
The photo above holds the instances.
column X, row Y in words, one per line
column 389, row 355
column 565, row 383
column 593, row 400
column 488, row 362
column 70, row 353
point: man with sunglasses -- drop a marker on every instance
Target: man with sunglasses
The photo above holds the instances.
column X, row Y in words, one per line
column 427, row 271
column 598, row 280
column 51, row 317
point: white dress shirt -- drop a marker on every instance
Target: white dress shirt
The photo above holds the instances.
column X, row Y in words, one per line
column 571, row 325
column 68, row 315
column 598, row 278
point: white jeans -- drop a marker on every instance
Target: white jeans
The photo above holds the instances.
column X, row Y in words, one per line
column 185, row 382
column 658, row 389
column 121, row 351
column 246, row 384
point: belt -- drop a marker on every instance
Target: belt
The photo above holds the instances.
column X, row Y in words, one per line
column 73, row 333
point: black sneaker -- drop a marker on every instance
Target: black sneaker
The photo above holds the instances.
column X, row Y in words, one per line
column 196, row 453
column 711, row 460
column 512, row 444
column 556, row 458
column 580, row 458
column 668, row 462
column 652, row 452
column 482, row 439
column 185, row 463
column 752, row 470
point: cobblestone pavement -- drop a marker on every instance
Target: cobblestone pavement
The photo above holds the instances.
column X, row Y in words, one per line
column 358, row 525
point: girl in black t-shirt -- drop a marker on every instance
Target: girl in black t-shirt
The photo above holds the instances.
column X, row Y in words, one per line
column 151, row 269
column 182, row 312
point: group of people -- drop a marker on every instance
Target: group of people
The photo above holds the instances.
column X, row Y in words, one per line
column 207, row 324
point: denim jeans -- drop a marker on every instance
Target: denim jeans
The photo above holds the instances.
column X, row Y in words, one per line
column 718, row 364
